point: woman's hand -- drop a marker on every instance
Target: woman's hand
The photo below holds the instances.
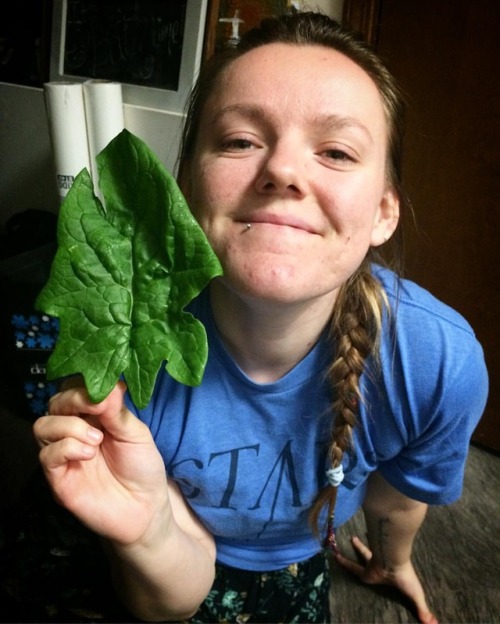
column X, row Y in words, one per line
column 404, row 578
column 392, row 521
column 102, row 464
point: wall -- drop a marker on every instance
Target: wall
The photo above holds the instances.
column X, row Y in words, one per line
column 26, row 168
column 330, row 7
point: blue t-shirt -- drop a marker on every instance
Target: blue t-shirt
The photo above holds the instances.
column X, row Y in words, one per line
column 250, row 458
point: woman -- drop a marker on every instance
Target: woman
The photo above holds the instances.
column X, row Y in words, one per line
column 330, row 383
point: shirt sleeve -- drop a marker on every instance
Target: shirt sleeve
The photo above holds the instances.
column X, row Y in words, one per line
column 436, row 387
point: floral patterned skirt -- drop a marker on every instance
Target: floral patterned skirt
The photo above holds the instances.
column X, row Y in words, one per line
column 298, row 594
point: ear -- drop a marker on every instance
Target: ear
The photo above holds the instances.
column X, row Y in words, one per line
column 386, row 218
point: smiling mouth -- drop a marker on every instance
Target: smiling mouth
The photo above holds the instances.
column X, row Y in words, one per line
column 277, row 221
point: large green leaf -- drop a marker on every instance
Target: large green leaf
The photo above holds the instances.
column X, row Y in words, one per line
column 123, row 274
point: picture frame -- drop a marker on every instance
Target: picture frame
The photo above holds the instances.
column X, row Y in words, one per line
column 153, row 48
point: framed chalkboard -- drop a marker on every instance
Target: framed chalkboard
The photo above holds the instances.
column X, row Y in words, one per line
column 153, row 47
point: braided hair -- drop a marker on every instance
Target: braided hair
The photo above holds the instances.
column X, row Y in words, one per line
column 357, row 316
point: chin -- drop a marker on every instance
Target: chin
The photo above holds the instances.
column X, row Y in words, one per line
column 272, row 289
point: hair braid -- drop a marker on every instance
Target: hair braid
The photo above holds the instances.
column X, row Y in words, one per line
column 355, row 329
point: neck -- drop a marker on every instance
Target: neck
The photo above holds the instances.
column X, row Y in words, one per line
column 267, row 339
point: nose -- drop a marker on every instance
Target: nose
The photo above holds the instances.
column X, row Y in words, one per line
column 283, row 172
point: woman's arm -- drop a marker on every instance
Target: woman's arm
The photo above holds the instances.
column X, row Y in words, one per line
column 103, row 466
column 165, row 576
column 392, row 521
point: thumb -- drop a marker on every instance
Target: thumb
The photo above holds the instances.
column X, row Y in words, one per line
column 114, row 416
column 113, row 403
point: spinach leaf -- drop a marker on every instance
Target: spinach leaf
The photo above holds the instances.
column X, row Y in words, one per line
column 123, row 274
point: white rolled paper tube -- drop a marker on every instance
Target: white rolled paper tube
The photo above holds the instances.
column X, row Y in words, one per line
column 68, row 131
column 104, row 115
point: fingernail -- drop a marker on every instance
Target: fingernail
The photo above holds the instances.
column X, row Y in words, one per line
column 94, row 435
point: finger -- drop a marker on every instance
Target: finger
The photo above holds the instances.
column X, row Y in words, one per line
column 50, row 429
column 416, row 593
column 361, row 548
column 352, row 566
column 110, row 413
column 75, row 400
column 425, row 616
column 59, row 454
column 71, row 401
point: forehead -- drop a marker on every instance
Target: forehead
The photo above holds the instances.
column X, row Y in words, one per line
column 308, row 80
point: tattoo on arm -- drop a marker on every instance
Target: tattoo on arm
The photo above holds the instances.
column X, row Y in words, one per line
column 382, row 539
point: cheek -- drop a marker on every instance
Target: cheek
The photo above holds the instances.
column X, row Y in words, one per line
column 209, row 190
column 353, row 210
column 200, row 195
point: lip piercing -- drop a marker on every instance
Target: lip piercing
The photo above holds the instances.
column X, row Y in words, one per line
column 248, row 226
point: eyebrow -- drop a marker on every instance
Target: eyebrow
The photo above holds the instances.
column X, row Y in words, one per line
column 250, row 111
column 328, row 121
column 335, row 121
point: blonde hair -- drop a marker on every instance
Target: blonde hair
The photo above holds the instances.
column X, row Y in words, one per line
column 355, row 330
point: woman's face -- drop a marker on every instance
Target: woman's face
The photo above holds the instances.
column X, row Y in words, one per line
column 293, row 143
